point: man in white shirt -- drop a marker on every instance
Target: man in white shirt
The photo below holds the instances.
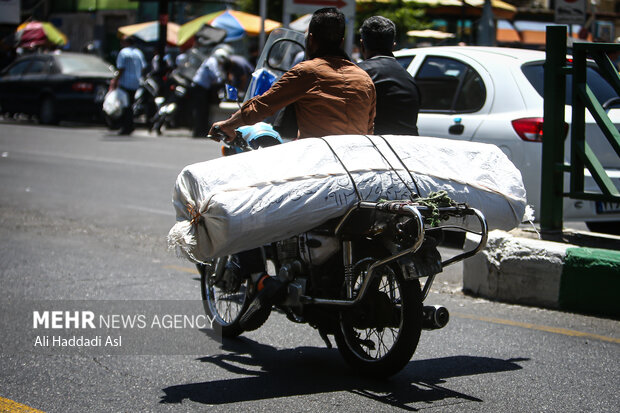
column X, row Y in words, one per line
column 130, row 63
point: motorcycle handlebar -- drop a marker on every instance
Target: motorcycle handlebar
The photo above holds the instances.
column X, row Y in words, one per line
column 238, row 140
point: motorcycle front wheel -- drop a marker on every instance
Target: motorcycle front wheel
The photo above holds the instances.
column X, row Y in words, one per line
column 224, row 297
column 379, row 336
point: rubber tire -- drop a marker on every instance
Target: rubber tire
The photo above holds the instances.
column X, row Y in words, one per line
column 404, row 348
column 47, row 115
column 232, row 329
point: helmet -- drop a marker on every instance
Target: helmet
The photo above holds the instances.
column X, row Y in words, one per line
column 222, row 53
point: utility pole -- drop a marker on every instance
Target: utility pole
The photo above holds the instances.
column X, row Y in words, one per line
column 263, row 16
column 162, row 13
column 486, row 26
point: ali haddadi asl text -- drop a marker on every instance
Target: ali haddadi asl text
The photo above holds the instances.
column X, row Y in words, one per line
column 78, row 341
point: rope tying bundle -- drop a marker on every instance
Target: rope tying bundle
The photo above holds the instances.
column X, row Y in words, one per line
column 194, row 213
column 434, row 201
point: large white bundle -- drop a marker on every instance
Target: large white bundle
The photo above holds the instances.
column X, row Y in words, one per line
column 235, row 203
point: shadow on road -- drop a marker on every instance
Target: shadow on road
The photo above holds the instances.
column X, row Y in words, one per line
column 266, row 372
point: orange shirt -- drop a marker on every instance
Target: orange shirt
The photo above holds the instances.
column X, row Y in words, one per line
column 332, row 96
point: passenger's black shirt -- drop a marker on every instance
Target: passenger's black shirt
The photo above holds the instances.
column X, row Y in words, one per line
column 398, row 98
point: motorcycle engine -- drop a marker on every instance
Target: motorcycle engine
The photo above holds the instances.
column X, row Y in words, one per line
column 316, row 249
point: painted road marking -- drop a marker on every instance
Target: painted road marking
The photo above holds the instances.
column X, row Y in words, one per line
column 538, row 327
column 556, row 330
column 7, row 405
column 87, row 158
column 166, row 212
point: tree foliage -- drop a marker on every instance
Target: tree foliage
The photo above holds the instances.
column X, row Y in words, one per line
column 406, row 15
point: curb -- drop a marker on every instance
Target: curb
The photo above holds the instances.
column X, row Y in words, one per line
column 544, row 273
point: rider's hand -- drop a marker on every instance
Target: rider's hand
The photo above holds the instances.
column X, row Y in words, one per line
column 223, row 128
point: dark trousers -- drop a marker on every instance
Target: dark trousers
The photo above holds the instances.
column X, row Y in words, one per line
column 127, row 118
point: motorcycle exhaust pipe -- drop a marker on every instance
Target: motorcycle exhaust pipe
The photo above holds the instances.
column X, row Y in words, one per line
column 434, row 317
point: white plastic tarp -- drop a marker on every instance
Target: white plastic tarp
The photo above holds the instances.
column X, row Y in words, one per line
column 235, row 203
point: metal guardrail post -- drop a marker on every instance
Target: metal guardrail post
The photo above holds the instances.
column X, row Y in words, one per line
column 578, row 123
column 552, row 177
column 584, row 98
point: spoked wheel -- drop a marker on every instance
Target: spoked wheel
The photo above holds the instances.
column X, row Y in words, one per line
column 225, row 296
column 379, row 336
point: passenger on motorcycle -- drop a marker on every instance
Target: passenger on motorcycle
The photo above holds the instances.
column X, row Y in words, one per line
column 398, row 97
column 331, row 96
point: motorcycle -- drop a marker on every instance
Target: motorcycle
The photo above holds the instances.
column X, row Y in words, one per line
column 170, row 109
column 144, row 103
column 356, row 278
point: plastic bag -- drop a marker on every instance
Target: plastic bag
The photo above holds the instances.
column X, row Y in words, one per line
column 114, row 103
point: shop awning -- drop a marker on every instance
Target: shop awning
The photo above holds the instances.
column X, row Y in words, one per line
column 468, row 8
column 534, row 33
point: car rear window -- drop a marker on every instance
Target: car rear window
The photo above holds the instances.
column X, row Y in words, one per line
column 449, row 85
column 600, row 87
column 72, row 64
column 404, row 60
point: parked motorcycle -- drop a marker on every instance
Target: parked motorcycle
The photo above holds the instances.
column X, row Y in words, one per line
column 356, row 278
column 173, row 108
column 144, row 104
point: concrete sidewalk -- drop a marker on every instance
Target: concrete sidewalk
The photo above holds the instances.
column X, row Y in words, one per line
column 572, row 271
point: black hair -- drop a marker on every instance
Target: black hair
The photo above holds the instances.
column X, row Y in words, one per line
column 327, row 28
column 378, row 34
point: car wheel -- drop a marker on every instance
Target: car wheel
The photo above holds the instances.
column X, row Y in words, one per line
column 47, row 113
column 606, row 227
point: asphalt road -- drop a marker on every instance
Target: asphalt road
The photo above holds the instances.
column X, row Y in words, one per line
column 84, row 216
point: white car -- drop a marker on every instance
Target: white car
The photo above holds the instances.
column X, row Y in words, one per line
column 494, row 95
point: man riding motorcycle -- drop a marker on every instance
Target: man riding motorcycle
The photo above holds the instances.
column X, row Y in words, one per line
column 331, row 96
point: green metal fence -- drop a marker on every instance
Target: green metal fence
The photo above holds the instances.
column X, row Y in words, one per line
column 554, row 165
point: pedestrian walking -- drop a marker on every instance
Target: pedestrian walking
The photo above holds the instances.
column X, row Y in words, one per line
column 131, row 64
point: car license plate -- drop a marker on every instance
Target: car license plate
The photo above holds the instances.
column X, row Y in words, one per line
column 100, row 94
column 607, row 207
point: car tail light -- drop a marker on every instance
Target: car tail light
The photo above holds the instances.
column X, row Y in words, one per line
column 82, row 87
column 531, row 129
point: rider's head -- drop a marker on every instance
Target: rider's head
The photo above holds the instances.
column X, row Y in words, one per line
column 325, row 32
column 377, row 36
column 222, row 53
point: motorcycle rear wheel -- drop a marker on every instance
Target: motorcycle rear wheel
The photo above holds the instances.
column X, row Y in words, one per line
column 385, row 348
column 225, row 305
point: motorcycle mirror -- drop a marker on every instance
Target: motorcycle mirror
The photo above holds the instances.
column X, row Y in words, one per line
column 232, row 95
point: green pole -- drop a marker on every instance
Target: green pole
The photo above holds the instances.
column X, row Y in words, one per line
column 578, row 122
column 552, row 184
